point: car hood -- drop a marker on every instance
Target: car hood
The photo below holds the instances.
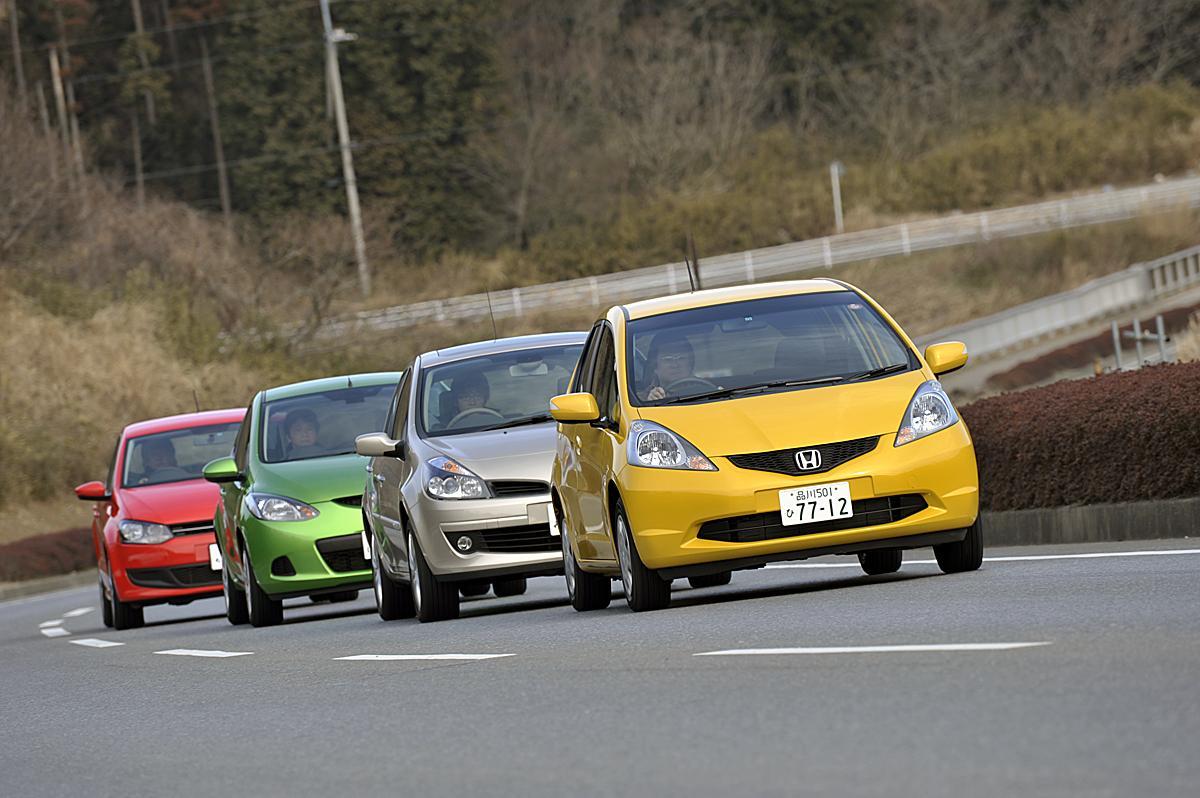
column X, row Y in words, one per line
column 518, row 453
column 788, row 419
column 172, row 503
column 319, row 479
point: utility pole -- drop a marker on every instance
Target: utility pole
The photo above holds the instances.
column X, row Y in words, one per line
column 140, row 27
column 332, row 37
column 215, row 122
column 836, row 170
column 18, row 64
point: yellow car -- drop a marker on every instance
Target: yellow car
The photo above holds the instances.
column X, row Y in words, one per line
column 725, row 429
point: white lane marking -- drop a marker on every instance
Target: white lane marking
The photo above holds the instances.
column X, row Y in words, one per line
column 48, row 624
column 387, row 657
column 1094, row 555
column 736, row 652
column 93, row 642
column 55, row 631
column 78, row 612
column 197, row 652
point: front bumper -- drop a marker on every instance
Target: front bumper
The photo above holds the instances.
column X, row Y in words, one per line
column 176, row 571
column 667, row 508
column 519, row 525
column 296, row 558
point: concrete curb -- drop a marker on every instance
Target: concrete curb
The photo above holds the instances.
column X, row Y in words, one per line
column 1094, row 523
column 47, row 584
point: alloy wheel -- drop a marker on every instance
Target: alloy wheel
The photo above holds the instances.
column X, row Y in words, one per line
column 568, row 562
column 624, row 554
column 376, row 576
column 414, row 574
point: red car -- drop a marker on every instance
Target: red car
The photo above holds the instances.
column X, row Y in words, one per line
column 152, row 523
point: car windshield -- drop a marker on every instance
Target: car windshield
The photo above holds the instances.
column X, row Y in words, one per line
column 177, row 455
column 778, row 343
column 322, row 424
column 495, row 391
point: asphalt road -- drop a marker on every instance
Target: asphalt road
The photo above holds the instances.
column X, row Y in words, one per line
column 612, row 703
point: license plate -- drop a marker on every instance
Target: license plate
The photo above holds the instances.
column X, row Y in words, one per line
column 814, row 503
column 214, row 557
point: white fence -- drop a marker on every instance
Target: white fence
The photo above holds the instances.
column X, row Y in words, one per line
column 1091, row 301
column 770, row 262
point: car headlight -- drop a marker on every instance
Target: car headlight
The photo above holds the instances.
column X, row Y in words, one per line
column 266, row 507
column 652, row 445
column 449, row 479
column 144, row 532
column 929, row 411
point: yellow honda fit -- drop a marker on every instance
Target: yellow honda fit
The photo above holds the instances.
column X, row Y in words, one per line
column 729, row 428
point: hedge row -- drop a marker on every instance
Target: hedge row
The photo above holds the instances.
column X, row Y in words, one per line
column 1128, row 436
column 47, row 555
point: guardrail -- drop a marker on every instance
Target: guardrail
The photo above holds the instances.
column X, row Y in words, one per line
column 1104, row 296
column 786, row 259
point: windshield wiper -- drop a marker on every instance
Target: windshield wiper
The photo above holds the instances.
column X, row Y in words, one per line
column 520, row 422
column 871, row 373
column 723, row 393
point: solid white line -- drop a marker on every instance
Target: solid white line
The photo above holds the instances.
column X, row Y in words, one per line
column 92, row 642
column 1095, row 555
column 735, row 652
column 55, row 631
column 48, row 624
column 196, row 652
column 388, row 657
column 78, row 612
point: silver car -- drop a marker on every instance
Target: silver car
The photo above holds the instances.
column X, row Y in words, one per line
column 457, row 497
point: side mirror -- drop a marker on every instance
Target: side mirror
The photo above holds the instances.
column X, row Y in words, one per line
column 378, row 444
column 574, row 408
column 946, row 357
column 222, row 470
column 92, row 491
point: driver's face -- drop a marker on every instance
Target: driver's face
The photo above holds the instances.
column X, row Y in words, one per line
column 302, row 433
column 672, row 365
column 469, row 400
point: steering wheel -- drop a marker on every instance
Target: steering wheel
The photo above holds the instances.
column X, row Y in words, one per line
column 470, row 412
column 671, row 389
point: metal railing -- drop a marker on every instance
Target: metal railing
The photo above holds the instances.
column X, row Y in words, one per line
column 796, row 258
column 1094, row 300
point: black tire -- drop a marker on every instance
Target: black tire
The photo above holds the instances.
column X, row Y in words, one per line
column 124, row 615
column 880, row 561
column 587, row 591
column 475, row 589
column 965, row 555
column 105, row 608
column 434, row 599
column 263, row 610
column 645, row 590
column 235, row 599
column 516, row 586
column 711, row 580
column 393, row 601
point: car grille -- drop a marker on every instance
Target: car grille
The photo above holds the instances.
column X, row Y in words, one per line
column 177, row 576
column 349, row 501
column 769, row 526
column 343, row 554
column 193, row 528
column 511, row 539
column 783, row 461
column 518, row 487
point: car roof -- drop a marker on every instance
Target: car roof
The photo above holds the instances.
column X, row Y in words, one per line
column 184, row 421
column 499, row 345
column 330, row 384
column 733, row 293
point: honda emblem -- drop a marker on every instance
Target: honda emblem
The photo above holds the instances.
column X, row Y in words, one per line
column 808, row 459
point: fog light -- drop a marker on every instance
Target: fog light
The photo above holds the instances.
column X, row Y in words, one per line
column 464, row 543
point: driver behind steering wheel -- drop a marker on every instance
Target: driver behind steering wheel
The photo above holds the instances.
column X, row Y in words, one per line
column 470, row 392
column 672, row 360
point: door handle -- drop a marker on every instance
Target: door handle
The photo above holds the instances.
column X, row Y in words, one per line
column 380, row 478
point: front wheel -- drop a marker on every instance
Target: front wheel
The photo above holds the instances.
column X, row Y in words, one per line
column 965, row 555
column 263, row 610
column 392, row 600
column 587, row 591
column 124, row 615
column 434, row 600
column 515, row 586
column 105, row 607
column 880, row 561
column 644, row 589
column 235, row 600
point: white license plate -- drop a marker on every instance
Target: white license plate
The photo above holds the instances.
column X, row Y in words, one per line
column 814, row 503
column 214, row 557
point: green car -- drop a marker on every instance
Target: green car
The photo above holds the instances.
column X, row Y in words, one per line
column 289, row 521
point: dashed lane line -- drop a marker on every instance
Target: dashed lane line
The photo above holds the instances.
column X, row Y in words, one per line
column 77, row 612
column 55, row 631
column 1094, row 555
column 94, row 642
column 900, row 649
column 48, row 624
column 420, row 657
column 196, row 652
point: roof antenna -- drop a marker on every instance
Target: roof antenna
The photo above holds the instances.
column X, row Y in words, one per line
column 492, row 313
column 196, row 399
column 349, row 383
column 693, row 265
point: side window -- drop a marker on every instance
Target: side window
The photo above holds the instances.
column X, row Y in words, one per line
column 400, row 411
column 241, row 444
column 604, row 376
column 583, row 371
